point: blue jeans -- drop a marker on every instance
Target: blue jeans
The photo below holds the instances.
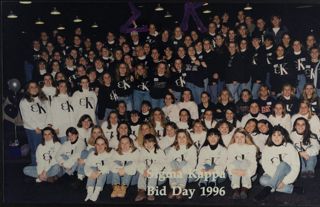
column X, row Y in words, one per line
column 34, row 140
column 214, row 90
column 28, row 70
column 268, row 80
column 177, row 95
column 178, row 181
column 318, row 91
column 99, row 182
column 283, row 170
column 301, row 82
column 308, row 165
column 255, row 89
column 84, row 155
column 138, row 97
column 236, row 180
column 157, row 103
column 234, row 90
column 63, row 139
column 121, row 180
column 32, row 171
column 144, row 183
column 127, row 100
column 196, row 91
column 245, row 86
column 212, row 178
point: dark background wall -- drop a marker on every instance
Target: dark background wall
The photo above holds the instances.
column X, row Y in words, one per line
column 19, row 33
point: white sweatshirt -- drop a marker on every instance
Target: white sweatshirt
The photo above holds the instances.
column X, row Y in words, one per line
column 271, row 157
column 109, row 133
column 49, row 92
column 46, row 155
column 135, row 129
column 313, row 121
column 227, row 137
column 172, row 112
column 154, row 162
column 242, row 152
column 210, row 124
column 198, row 139
column 166, row 142
column 61, row 114
column 182, row 125
column 248, row 116
column 159, row 129
column 312, row 149
column 84, row 103
column 189, row 155
column 34, row 114
column 191, row 106
column 101, row 161
column 84, row 135
column 260, row 140
column 285, row 121
column 72, row 151
column 127, row 160
column 217, row 157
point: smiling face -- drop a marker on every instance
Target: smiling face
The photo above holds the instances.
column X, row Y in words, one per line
column 170, row 131
column 184, row 116
column 149, row 145
column 239, row 138
column 62, row 88
column 72, row 137
column 182, row 138
column 86, row 123
column 47, row 135
column 300, row 126
column 33, row 89
column 277, row 137
column 186, row 96
column 125, row 145
column 100, row 145
column 96, row 133
column 198, row 128
column 145, row 129
column 123, row 130
column 213, row 139
column 224, row 129
column 278, row 109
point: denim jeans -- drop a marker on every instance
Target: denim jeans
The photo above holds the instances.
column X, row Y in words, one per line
column 84, row 155
column 234, row 90
column 213, row 178
column 32, row 171
column 144, row 183
column 301, row 82
column 214, row 90
column 283, row 170
column 63, row 139
column 177, row 95
column 157, row 103
column 121, row 180
column 255, row 89
column 138, row 97
column 99, row 182
column 308, row 165
column 34, row 140
column 196, row 91
column 127, row 100
column 244, row 86
column 318, row 91
column 28, row 70
column 181, row 180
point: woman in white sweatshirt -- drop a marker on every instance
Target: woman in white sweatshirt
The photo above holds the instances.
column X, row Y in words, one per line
column 185, row 120
column 109, row 126
column 241, row 163
column 187, row 102
column 158, row 121
column 97, row 167
column 34, row 108
column 124, row 166
column 212, row 160
column 47, row 168
column 170, row 131
column 198, row 133
column 84, row 101
column 61, row 111
column 280, row 117
column 47, row 87
column 227, row 130
column 84, row 127
column 151, row 163
column 170, row 109
column 307, row 145
column 280, row 162
column 306, row 112
column 182, row 160
column 70, row 151
column 208, row 119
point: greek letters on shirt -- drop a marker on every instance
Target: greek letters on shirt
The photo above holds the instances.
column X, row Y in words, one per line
column 38, row 108
column 255, row 59
column 87, row 102
column 123, row 85
column 239, row 157
column 47, row 155
column 181, row 81
column 280, row 69
column 149, row 162
column 301, row 148
column 113, row 96
column 269, row 58
column 100, row 164
column 300, row 64
column 180, row 158
column 143, row 86
column 66, row 106
column 278, row 159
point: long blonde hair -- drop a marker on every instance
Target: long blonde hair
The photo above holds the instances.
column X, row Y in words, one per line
column 92, row 140
column 141, row 136
column 248, row 138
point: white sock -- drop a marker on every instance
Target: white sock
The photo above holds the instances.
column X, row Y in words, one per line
column 89, row 193
column 80, row 177
column 38, row 180
column 96, row 193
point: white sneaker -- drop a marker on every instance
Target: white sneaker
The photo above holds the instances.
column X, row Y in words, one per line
column 96, row 194
column 80, row 177
column 89, row 193
column 38, row 180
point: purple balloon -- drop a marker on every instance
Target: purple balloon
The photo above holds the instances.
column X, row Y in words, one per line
column 190, row 10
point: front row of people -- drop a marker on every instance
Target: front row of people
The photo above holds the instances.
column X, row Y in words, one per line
column 147, row 165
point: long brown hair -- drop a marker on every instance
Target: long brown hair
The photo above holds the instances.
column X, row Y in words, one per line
column 140, row 136
column 189, row 140
column 92, row 140
column 29, row 97
column 107, row 149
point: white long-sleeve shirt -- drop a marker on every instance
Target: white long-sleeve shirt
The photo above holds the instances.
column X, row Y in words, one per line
column 285, row 121
column 218, row 157
column 128, row 161
column 166, row 142
column 313, row 121
column 84, row 103
column 61, row 114
column 260, row 140
column 312, row 149
column 210, row 124
column 272, row 156
column 84, row 135
column 46, row 155
column 34, row 114
column 49, row 92
column 172, row 112
column 248, row 116
column 226, row 138
column 242, row 152
column 101, row 161
column 72, row 151
column 152, row 161
column 191, row 106
column 109, row 133
column 198, row 139
column 189, row 155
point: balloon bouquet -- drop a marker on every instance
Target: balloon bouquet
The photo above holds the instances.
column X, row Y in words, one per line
column 11, row 108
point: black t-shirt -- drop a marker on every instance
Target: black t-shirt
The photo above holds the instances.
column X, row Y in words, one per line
column 159, row 86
